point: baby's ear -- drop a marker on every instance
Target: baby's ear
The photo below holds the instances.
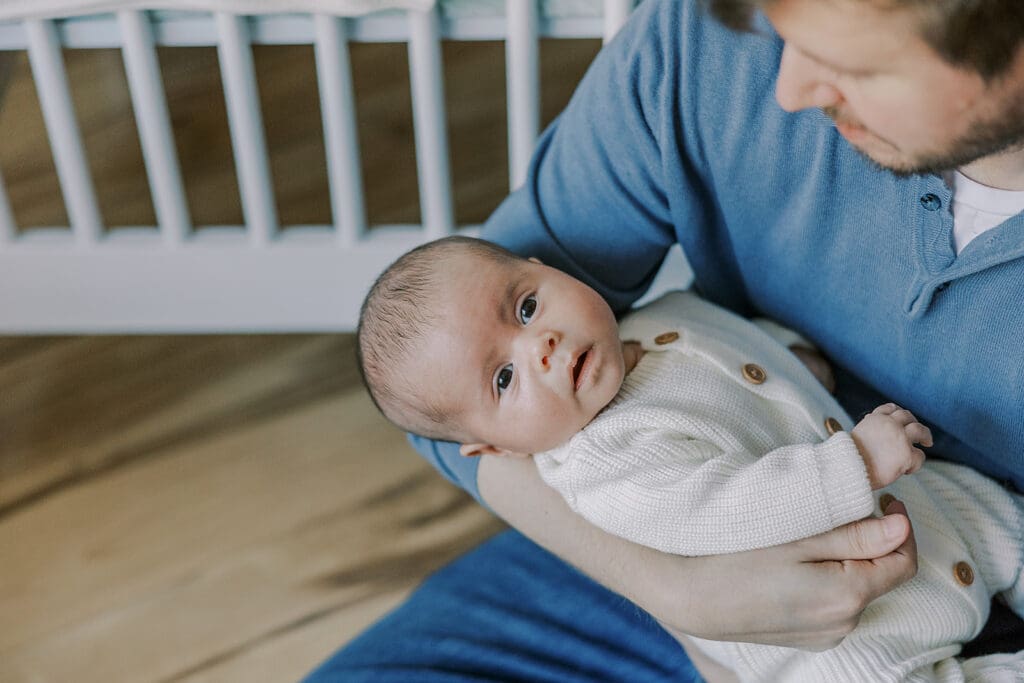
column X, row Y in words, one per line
column 473, row 450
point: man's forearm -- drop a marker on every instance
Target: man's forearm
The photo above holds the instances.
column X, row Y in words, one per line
column 514, row 490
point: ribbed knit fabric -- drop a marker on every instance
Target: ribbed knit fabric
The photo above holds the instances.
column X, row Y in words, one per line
column 915, row 632
column 693, row 458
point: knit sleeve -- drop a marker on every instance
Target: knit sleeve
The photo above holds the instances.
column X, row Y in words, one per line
column 689, row 497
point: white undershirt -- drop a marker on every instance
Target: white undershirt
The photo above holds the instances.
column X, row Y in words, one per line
column 978, row 208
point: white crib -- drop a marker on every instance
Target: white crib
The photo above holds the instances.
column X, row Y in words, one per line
column 178, row 277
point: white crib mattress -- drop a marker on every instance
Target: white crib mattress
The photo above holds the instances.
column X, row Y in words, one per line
column 463, row 20
column 467, row 9
column 454, row 9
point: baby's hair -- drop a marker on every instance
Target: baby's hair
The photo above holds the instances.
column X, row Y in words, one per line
column 395, row 317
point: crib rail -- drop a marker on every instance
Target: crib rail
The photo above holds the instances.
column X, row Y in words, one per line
column 173, row 277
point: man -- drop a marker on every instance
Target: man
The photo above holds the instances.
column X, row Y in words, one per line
column 732, row 145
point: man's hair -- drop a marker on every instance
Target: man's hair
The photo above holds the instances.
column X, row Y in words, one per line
column 396, row 315
column 981, row 35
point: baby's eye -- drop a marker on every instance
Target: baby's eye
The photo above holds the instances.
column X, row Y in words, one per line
column 527, row 309
column 504, row 378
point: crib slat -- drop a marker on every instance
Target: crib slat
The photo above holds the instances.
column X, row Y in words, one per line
column 246, row 123
column 429, row 122
column 7, row 227
column 51, row 80
column 338, row 109
column 146, row 86
column 523, row 82
column 616, row 12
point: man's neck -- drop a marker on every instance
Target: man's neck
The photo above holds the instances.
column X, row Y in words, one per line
column 1003, row 171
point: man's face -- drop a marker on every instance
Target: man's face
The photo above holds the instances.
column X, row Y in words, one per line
column 525, row 354
column 891, row 96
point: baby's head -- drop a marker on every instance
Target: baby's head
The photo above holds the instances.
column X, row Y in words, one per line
column 461, row 340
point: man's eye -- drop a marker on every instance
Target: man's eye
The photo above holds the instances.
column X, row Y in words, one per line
column 527, row 309
column 504, row 379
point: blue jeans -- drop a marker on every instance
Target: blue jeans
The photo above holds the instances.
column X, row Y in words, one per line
column 511, row 611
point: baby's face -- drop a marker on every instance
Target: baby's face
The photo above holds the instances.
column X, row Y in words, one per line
column 526, row 354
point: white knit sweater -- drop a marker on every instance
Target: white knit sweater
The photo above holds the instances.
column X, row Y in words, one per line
column 717, row 443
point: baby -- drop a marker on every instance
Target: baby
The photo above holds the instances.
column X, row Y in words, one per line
column 693, row 431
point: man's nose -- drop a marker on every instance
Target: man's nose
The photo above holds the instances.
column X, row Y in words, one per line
column 802, row 84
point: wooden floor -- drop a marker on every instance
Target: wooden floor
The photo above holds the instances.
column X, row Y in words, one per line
column 222, row 508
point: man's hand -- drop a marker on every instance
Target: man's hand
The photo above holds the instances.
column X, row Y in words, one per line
column 886, row 439
column 807, row 594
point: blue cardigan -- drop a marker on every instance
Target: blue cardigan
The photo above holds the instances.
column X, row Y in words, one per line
column 674, row 135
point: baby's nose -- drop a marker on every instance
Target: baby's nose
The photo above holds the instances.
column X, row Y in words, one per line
column 546, row 345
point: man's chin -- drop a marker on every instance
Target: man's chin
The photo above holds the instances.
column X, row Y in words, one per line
column 900, row 166
column 963, row 153
column 877, row 152
column 884, row 161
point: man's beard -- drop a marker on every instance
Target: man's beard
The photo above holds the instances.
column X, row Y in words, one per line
column 1002, row 134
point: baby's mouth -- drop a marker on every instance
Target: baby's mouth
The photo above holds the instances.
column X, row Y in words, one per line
column 577, row 369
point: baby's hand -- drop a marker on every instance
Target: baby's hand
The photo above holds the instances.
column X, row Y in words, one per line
column 817, row 364
column 886, row 440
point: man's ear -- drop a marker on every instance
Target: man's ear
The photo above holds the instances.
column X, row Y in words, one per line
column 473, row 450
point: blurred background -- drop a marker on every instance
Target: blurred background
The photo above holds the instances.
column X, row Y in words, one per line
column 224, row 508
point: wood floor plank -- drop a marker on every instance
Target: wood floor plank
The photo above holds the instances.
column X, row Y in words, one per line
column 288, row 657
column 215, row 549
column 78, row 408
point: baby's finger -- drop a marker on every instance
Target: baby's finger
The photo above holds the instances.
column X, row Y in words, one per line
column 886, row 409
column 903, row 416
column 918, row 433
column 916, row 460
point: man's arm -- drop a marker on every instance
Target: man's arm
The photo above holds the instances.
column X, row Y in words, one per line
column 807, row 594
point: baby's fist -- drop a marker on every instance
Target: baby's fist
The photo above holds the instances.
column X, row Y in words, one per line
column 886, row 439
